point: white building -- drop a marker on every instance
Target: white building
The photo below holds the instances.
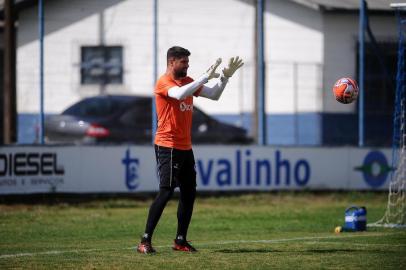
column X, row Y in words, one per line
column 308, row 46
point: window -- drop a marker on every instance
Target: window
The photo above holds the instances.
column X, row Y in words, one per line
column 139, row 115
column 101, row 65
column 379, row 91
column 96, row 107
column 380, row 76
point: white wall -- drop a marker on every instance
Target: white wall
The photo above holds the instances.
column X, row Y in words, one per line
column 224, row 29
column 305, row 50
column 70, row 25
column 208, row 31
column 340, row 51
column 294, row 51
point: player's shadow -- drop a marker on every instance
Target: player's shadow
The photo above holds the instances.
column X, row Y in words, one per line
column 347, row 250
column 248, row 250
column 333, row 250
column 269, row 250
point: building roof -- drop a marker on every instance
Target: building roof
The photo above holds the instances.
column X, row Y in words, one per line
column 317, row 4
column 347, row 5
column 323, row 5
column 18, row 5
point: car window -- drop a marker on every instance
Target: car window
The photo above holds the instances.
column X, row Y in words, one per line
column 199, row 116
column 138, row 115
column 96, row 107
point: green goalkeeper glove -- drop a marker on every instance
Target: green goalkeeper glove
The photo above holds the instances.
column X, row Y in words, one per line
column 212, row 70
column 233, row 65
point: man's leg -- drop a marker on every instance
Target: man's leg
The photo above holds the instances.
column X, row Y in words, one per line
column 186, row 202
column 155, row 211
column 185, row 209
column 164, row 157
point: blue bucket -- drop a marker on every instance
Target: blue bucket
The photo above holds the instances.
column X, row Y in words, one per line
column 355, row 218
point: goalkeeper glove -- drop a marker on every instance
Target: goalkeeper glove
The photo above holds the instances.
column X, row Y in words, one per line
column 233, row 65
column 211, row 72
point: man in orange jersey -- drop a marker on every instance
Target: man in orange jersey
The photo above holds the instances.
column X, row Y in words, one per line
column 174, row 93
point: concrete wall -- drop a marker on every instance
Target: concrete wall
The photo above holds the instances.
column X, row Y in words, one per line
column 223, row 30
column 340, row 51
column 305, row 52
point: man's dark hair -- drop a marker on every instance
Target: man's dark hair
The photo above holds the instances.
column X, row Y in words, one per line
column 176, row 52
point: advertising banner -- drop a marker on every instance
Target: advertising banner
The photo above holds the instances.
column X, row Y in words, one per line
column 122, row 169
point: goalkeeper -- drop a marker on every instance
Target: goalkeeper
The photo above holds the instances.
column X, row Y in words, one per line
column 174, row 93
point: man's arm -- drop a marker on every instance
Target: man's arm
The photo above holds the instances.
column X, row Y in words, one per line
column 189, row 89
column 215, row 92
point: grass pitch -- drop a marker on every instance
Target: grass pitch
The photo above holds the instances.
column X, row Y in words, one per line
column 254, row 231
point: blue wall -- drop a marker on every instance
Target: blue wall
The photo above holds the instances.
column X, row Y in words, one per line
column 27, row 128
column 283, row 129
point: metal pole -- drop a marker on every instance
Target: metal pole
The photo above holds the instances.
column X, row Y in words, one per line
column 361, row 54
column 260, row 74
column 102, row 44
column 295, row 104
column 155, row 69
column 9, row 92
column 41, row 68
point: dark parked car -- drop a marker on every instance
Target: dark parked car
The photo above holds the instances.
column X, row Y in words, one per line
column 127, row 119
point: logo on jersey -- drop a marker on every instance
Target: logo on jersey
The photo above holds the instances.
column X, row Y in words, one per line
column 185, row 107
column 131, row 171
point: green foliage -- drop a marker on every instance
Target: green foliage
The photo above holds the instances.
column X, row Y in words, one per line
column 253, row 231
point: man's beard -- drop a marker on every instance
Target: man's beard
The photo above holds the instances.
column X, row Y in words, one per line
column 180, row 73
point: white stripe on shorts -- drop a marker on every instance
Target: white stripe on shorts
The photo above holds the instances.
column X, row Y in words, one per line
column 170, row 179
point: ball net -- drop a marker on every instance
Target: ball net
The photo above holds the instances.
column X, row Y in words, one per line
column 395, row 214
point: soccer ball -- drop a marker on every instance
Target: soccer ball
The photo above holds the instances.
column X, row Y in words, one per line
column 345, row 90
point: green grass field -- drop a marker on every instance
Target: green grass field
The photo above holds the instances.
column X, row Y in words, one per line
column 254, row 231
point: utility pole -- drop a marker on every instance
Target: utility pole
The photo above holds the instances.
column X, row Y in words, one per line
column 361, row 70
column 155, row 67
column 259, row 121
column 9, row 91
